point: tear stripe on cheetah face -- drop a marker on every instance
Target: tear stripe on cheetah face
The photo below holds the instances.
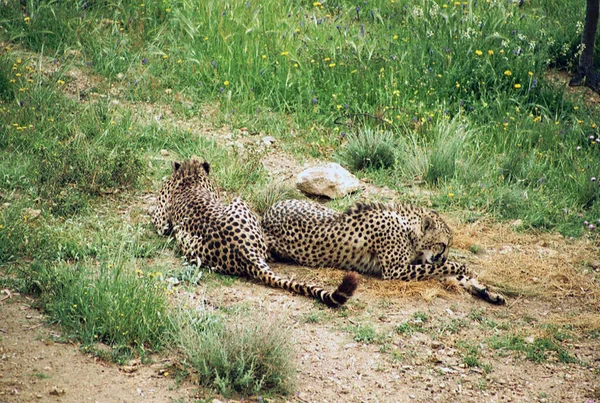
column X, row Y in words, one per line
column 227, row 238
column 401, row 242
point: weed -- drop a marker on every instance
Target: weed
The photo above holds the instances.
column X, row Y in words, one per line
column 272, row 194
column 535, row 351
column 476, row 249
column 368, row 149
column 315, row 316
column 447, row 142
column 365, row 334
column 415, row 325
column 236, row 354
column 40, row 375
column 470, row 357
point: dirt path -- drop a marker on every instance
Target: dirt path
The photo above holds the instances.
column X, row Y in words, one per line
column 35, row 368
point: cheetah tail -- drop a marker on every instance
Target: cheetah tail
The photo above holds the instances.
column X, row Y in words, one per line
column 332, row 299
column 344, row 291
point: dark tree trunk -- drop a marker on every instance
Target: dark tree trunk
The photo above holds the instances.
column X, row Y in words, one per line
column 586, row 75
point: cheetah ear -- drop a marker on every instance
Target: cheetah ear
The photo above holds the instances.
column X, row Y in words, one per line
column 176, row 165
column 427, row 223
column 206, row 167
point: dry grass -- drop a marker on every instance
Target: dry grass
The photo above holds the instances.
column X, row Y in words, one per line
column 542, row 265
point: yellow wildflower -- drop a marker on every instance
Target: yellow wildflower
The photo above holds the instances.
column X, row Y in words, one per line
column 517, row 85
column 478, row 52
column 508, row 73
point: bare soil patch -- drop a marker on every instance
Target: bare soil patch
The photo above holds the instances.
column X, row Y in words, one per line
column 35, row 366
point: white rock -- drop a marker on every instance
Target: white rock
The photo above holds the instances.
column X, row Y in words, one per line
column 329, row 180
column 268, row 140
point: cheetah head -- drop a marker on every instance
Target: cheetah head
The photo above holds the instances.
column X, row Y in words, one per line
column 433, row 241
column 190, row 173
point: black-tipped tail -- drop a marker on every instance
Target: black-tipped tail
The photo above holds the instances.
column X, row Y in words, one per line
column 344, row 291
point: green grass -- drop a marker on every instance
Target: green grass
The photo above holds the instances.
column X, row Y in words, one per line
column 368, row 149
column 452, row 95
column 470, row 357
column 366, row 333
column 416, row 324
column 536, row 351
column 237, row 354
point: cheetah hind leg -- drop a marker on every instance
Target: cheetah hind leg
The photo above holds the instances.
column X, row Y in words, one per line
column 474, row 287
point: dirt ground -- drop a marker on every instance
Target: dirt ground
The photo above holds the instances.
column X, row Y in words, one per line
column 35, row 368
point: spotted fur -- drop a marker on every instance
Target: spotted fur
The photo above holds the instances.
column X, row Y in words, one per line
column 226, row 238
column 402, row 242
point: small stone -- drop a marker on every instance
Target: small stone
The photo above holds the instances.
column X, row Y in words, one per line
column 56, row 391
column 32, row 213
column 517, row 223
column 128, row 369
column 120, row 76
column 437, row 345
column 331, row 180
column 268, row 140
column 164, row 153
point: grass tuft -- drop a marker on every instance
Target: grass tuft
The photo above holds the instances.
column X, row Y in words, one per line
column 236, row 354
column 368, row 149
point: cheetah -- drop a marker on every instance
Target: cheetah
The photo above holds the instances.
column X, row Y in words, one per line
column 403, row 242
column 225, row 238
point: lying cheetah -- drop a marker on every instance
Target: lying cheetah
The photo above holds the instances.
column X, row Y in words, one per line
column 227, row 238
column 393, row 242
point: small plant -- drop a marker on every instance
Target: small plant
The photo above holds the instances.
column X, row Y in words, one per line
column 368, row 149
column 444, row 150
column 476, row 249
column 315, row 316
column 272, row 194
column 237, row 354
column 470, row 357
column 415, row 325
column 364, row 333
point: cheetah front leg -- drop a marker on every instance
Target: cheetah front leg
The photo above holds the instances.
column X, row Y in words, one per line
column 449, row 272
column 477, row 289
column 189, row 244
